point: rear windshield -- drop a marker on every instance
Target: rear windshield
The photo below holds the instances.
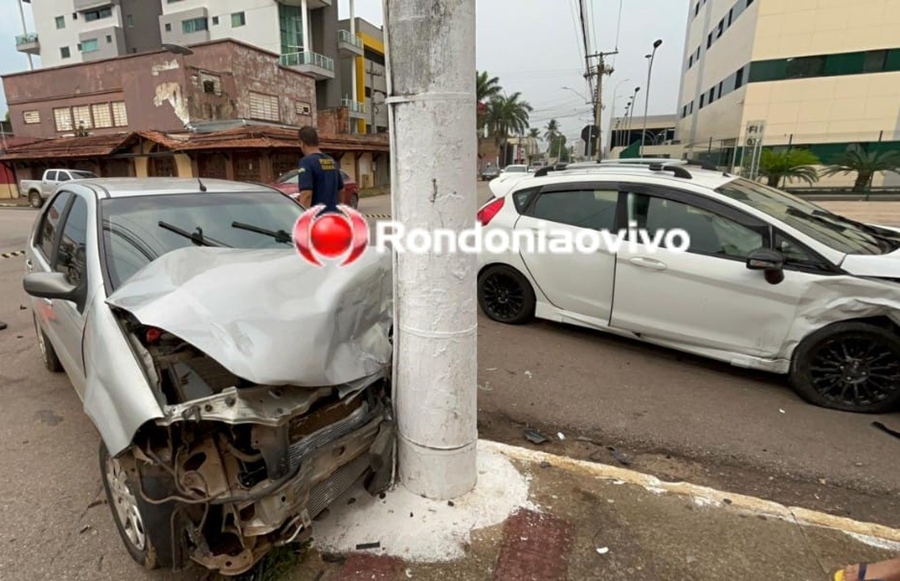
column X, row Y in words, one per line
column 82, row 175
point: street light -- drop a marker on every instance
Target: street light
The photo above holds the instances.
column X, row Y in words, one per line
column 616, row 90
column 631, row 117
column 579, row 94
column 650, row 56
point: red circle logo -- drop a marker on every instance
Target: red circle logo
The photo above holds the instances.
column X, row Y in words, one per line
column 332, row 235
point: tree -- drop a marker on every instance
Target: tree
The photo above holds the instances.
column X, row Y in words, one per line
column 506, row 115
column 486, row 88
column 866, row 164
column 7, row 116
column 534, row 133
column 552, row 131
column 558, row 148
column 793, row 164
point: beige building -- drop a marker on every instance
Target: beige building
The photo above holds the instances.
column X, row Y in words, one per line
column 820, row 74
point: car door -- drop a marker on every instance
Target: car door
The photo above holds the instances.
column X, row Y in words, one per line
column 48, row 183
column 578, row 282
column 705, row 297
column 42, row 253
column 71, row 260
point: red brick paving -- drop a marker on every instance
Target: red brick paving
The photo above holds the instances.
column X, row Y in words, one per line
column 360, row 566
column 535, row 548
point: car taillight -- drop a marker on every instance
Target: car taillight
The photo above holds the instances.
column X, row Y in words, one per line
column 487, row 213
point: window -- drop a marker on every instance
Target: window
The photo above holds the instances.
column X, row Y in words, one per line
column 795, row 253
column 108, row 38
column 98, row 14
column 194, row 25
column 264, row 107
column 522, row 198
column 730, row 14
column 102, row 116
column 875, row 61
column 168, row 27
column 51, row 176
column 62, row 116
column 690, row 61
column 739, row 78
column 684, row 112
column 215, row 20
column 31, row 117
column 811, row 66
column 211, row 83
column 60, row 22
column 129, row 21
column 719, row 94
column 51, row 220
column 238, row 19
column 595, row 209
column 82, row 116
column 64, row 52
column 120, row 115
column 90, row 45
column 71, row 255
column 721, row 28
column 709, row 40
column 710, row 234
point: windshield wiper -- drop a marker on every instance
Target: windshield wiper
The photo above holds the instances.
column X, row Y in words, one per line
column 195, row 237
column 279, row 236
column 885, row 236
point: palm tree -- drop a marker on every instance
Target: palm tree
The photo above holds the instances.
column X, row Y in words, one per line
column 789, row 164
column 866, row 164
column 506, row 115
column 534, row 133
column 552, row 130
column 486, row 88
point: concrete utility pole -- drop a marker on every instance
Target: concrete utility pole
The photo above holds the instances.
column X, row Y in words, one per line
column 431, row 100
column 602, row 69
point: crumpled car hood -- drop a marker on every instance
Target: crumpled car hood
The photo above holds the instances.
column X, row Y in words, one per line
column 269, row 316
column 880, row 265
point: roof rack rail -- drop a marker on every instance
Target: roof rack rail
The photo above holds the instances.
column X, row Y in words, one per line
column 701, row 164
column 679, row 171
column 548, row 168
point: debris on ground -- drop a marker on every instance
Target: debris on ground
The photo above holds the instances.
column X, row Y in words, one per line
column 589, row 440
column 782, row 411
column 535, row 437
column 3, row 325
column 620, row 458
column 334, row 558
column 84, row 529
column 545, row 464
column 492, row 369
column 560, row 435
column 886, row 429
column 602, row 550
column 365, row 546
column 529, row 374
column 22, row 307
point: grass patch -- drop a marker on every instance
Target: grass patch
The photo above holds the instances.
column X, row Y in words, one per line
column 371, row 192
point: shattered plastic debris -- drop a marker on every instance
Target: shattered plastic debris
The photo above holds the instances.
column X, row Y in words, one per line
column 602, row 550
column 529, row 374
column 560, row 435
column 364, row 546
column 782, row 411
column 535, row 437
column 492, row 369
column 620, row 458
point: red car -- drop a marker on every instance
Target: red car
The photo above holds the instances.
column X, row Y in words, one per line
column 288, row 184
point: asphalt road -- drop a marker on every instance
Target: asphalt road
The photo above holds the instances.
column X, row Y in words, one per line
column 674, row 416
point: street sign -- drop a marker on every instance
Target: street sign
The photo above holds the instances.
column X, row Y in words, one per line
column 589, row 134
column 752, row 150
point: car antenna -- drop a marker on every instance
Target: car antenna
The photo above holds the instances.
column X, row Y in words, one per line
column 202, row 187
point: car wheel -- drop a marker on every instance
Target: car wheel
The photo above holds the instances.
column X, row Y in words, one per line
column 34, row 198
column 48, row 353
column 505, row 295
column 145, row 528
column 853, row 367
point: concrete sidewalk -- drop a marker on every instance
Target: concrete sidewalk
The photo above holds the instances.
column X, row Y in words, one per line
column 581, row 521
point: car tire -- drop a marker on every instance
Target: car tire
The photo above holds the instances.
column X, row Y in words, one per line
column 832, row 368
column 35, row 199
column 505, row 295
column 147, row 528
column 48, row 353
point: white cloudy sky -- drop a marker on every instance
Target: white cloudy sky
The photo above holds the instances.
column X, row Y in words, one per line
column 534, row 47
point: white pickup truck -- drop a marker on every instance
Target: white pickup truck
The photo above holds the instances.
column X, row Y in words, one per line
column 39, row 190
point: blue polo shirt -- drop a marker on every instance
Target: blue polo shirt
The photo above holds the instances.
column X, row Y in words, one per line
column 320, row 173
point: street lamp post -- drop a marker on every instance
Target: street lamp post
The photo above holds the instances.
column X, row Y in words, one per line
column 650, row 56
column 613, row 113
column 633, row 106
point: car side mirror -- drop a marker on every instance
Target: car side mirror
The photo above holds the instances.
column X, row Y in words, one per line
column 769, row 261
column 50, row 285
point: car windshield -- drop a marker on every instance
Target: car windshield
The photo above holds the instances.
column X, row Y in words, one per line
column 291, row 175
column 837, row 232
column 140, row 229
column 516, row 168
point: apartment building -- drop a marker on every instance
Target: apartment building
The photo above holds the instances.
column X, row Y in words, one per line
column 74, row 31
column 364, row 79
column 305, row 34
column 819, row 74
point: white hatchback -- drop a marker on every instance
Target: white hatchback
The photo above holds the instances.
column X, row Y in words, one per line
column 769, row 281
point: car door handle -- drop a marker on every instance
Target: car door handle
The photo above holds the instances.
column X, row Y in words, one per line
column 650, row 263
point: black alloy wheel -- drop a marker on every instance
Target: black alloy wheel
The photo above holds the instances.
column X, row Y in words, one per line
column 505, row 295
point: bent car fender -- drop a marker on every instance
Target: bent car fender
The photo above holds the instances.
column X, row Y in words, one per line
column 118, row 397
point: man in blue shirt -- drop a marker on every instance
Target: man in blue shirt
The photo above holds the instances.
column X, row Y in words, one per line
column 320, row 178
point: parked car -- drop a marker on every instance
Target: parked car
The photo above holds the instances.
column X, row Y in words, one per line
column 168, row 304
column 288, row 183
column 489, row 173
column 769, row 282
column 39, row 190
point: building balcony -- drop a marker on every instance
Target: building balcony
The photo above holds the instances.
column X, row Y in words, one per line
column 85, row 5
column 319, row 66
column 28, row 43
column 357, row 110
column 312, row 4
column 349, row 44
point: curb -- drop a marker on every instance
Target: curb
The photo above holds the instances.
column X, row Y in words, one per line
column 12, row 254
column 869, row 533
column 379, row 216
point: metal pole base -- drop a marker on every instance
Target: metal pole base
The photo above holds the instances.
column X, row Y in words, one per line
column 436, row 474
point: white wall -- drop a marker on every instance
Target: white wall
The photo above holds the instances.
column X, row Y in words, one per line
column 51, row 39
column 262, row 27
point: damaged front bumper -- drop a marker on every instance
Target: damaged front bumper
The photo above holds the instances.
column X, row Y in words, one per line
column 249, row 469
